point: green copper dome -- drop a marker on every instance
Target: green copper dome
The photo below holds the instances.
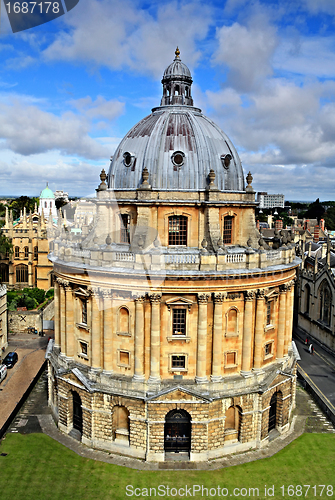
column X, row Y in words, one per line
column 47, row 193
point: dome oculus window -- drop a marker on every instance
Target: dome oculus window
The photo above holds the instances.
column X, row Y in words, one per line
column 128, row 159
column 178, row 158
column 226, row 159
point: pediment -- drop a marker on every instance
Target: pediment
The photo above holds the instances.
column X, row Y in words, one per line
column 77, row 379
column 179, row 301
column 178, row 394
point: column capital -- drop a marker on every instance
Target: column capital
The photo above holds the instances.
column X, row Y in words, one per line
column 219, row 296
column 138, row 296
column 261, row 293
column 68, row 287
column 203, row 298
column 155, row 298
column 95, row 290
column 249, row 295
column 285, row 288
column 106, row 293
column 62, row 282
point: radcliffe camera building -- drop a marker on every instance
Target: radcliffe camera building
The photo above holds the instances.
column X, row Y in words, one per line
column 173, row 319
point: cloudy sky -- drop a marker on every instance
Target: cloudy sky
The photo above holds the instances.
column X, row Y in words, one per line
column 263, row 70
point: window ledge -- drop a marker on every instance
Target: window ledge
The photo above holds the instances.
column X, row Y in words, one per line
column 173, row 370
column 231, row 366
column 84, row 356
column 268, row 356
column 269, row 327
column 231, row 335
column 178, row 337
column 83, row 326
column 124, row 334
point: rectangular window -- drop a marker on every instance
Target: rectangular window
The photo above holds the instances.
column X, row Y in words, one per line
column 124, row 358
column 83, row 347
column 268, row 349
column 178, row 230
column 227, row 229
column 178, row 362
column 17, row 252
column 178, row 321
column 26, row 252
column 125, row 228
column 84, row 311
column 231, row 358
column 268, row 313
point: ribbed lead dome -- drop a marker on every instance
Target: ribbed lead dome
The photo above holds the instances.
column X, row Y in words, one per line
column 177, row 144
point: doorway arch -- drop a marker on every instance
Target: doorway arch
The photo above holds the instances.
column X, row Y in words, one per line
column 273, row 412
column 177, row 431
column 77, row 412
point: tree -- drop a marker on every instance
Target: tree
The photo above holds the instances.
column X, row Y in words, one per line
column 5, row 245
column 330, row 219
column 22, row 202
column 60, row 202
column 315, row 211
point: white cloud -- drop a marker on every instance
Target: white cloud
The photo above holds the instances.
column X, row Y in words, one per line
column 27, row 130
column 118, row 35
column 100, row 108
column 246, row 52
column 316, row 6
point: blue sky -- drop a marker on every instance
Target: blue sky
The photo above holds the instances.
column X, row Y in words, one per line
column 264, row 71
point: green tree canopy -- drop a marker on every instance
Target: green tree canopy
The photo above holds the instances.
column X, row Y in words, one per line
column 23, row 201
column 5, row 245
column 330, row 219
column 315, row 211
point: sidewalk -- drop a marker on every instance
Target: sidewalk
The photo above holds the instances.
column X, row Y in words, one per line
column 31, row 354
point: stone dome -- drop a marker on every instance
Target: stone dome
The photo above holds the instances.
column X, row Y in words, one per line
column 177, row 144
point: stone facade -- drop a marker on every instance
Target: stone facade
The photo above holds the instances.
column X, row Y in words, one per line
column 173, row 324
column 28, row 265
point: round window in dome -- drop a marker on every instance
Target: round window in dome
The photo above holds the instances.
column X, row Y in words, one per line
column 128, row 159
column 226, row 159
column 178, row 158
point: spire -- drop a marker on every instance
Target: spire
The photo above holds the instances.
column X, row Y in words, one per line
column 328, row 251
column 316, row 264
column 7, row 218
column 24, row 218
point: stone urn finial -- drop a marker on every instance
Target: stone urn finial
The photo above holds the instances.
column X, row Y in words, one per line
column 211, row 177
column 249, row 188
column 103, row 177
column 145, row 176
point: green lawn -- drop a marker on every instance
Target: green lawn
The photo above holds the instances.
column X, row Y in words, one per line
column 37, row 467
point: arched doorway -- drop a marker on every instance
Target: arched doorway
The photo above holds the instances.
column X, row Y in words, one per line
column 77, row 412
column 273, row 412
column 177, row 431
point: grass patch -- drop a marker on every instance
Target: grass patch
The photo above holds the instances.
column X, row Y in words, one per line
column 39, row 468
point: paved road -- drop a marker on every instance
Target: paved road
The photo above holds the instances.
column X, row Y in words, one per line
column 320, row 367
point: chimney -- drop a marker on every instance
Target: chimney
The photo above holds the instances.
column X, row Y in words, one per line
column 279, row 224
column 316, row 234
column 322, row 224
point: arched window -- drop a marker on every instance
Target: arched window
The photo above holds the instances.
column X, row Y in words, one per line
column 123, row 320
column 21, row 273
column 50, row 204
column 45, row 204
column 177, row 90
column 4, row 273
column 26, row 252
column 232, row 322
column 17, row 252
column 121, row 423
column 227, row 229
column 307, row 292
column 178, row 230
column 125, row 228
column 325, row 303
column 232, row 423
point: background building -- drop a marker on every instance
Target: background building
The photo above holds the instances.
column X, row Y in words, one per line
column 173, row 324
column 270, row 200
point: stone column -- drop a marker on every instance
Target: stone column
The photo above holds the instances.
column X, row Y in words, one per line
column 96, row 329
column 155, row 333
column 70, row 347
column 217, row 338
column 57, row 313
column 63, row 283
column 259, row 331
column 107, row 347
column 289, row 317
column 247, row 332
column 202, row 338
column 281, row 322
column 11, row 273
column 139, row 339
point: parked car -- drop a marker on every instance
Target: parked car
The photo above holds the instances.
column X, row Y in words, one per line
column 10, row 359
column 3, row 372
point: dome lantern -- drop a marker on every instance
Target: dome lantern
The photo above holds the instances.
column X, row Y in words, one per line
column 177, row 82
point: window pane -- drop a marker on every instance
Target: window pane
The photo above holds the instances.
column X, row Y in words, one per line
column 125, row 228
column 178, row 230
column 227, row 229
column 179, row 321
column 178, row 361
